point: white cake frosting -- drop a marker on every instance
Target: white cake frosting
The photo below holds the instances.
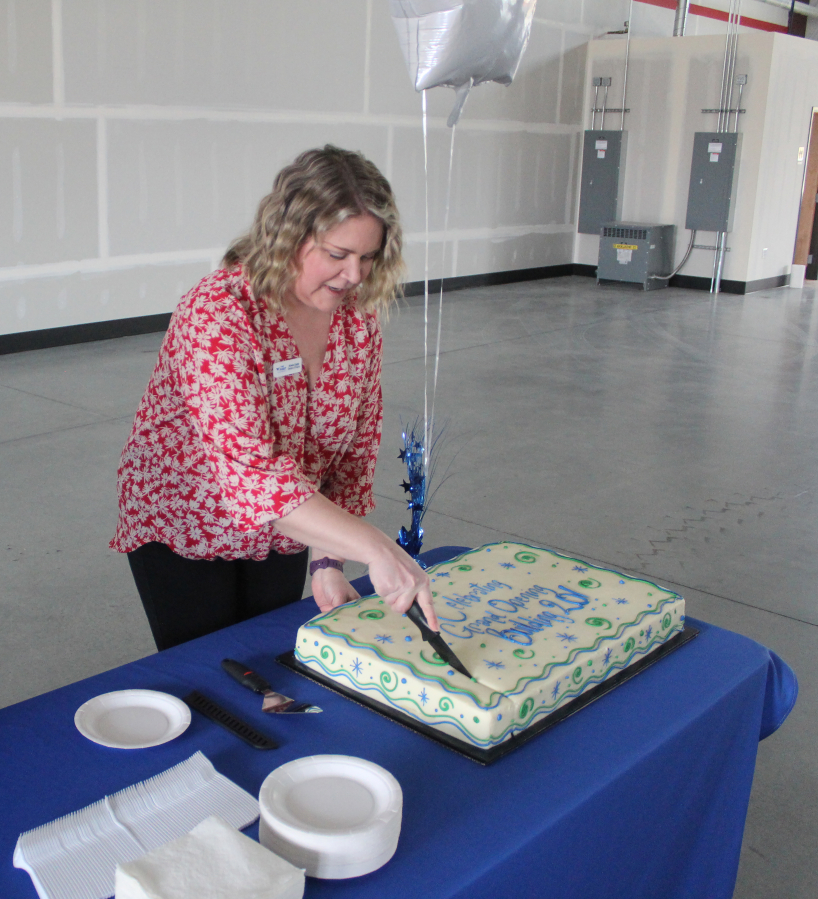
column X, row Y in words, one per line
column 534, row 628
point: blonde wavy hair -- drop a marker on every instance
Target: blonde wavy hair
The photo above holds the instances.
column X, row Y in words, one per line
column 315, row 193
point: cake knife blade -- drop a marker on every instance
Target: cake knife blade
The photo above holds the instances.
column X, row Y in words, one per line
column 273, row 702
column 433, row 638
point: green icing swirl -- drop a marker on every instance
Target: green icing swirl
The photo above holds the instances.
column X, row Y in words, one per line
column 629, row 644
column 577, row 674
column 590, row 584
column 372, row 614
column 525, row 558
column 326, row 652
column 521, row 653
column 387, row 679
column 445, row 704
column 435, row 660
column 462, row 567
column 526, row 708
column 599, row 622
column 666, row 621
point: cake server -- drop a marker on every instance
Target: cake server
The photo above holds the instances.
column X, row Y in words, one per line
column 273, row 702
column 433, row 638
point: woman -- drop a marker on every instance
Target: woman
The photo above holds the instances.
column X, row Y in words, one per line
column 259, row 430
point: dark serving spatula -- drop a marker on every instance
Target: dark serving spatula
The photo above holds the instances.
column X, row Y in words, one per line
column 433, row 638
column 273, row 702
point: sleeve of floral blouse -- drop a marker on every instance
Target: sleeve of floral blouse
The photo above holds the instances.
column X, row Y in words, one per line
column 221, row 377
column 349, row 482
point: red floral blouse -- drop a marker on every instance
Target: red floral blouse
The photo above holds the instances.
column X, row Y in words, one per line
column 222, row 447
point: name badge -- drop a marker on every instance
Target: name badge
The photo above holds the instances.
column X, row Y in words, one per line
column 287, row 367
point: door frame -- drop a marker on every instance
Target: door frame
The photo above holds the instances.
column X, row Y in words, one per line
column 809, row 196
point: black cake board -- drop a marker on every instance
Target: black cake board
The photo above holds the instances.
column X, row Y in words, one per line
column 476, row 753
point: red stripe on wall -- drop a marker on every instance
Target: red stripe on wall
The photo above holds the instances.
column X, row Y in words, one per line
column 719, row 14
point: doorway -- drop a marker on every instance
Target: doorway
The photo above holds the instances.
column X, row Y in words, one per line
column 806, row 236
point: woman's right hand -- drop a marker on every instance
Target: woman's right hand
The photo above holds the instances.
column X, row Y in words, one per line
column 395, row 575
column 399, row 581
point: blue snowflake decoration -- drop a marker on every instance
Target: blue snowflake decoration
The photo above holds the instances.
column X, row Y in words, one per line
column 443, row 574
column 423, row 696
column 569, row 638
column 383, row 638
column 579, row 568
column 494, row 664
column 607, row 656
column 556, row 690
column 357, row 668
column 648, row 634
column 507, row 565
column 621, row 602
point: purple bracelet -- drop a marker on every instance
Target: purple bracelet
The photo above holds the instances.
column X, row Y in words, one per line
column 326, row 562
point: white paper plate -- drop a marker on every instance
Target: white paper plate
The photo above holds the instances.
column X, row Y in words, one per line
column 334, row 815
column 132, row 719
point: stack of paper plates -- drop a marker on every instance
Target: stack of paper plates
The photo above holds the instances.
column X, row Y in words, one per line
column 333, row 815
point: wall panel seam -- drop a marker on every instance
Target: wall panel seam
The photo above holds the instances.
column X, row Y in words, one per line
column 95, row 265
column 187, row 114
column 57, row 59
column 500, row 233
column 367, row 55
column 102, row 188
column 575, row 26
column 98, row 265
column 558, row 110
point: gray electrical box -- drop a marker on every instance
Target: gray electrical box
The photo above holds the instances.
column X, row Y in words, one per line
column 603, row 162
column 713, row 178
column 633, row 251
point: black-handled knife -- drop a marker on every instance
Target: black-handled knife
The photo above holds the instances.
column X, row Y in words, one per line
column 433, row 638
column 273, row 702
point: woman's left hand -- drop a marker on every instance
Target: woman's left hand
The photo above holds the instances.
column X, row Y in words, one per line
column 330, row 589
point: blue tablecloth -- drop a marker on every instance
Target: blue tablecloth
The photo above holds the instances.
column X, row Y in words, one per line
column 642, row 794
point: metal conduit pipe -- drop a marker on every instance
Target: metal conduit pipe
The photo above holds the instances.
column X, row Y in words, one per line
column 725, row 65
column 732, row 72
column 682, row 8
column 627, row 58
column 728, row 76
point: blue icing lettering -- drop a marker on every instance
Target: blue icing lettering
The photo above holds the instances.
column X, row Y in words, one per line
column 444, row 618
column 476, row 627
column 513, row 635
column 567, row 598
column 459, row 600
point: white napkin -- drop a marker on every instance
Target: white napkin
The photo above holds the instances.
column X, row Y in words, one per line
column 213, row 861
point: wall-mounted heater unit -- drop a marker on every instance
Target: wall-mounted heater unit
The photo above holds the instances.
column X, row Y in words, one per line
column 632, row 251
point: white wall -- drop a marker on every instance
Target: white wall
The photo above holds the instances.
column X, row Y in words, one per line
column 656, row 17
column 793, row 92
column 670, row 81
column 136, row 137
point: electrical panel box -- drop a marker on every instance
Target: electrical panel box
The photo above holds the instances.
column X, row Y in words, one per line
column 632, row 251
column 713, row 179
column 603, row 162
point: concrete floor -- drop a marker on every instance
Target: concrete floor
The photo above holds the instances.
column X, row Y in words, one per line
column 667, row 434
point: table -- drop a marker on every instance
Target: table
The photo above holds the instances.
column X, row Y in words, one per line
column 642, row 794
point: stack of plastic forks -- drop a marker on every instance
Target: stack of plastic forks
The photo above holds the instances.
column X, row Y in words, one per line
column 75, row 857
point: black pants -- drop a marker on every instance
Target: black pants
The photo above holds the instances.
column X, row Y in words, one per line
column 188, row 598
